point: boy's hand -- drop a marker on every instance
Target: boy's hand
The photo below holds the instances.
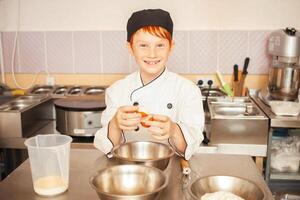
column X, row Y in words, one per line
column 127, row 118
column 161, row 127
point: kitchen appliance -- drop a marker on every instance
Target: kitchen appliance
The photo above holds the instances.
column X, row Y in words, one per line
column 79, row 116
column 284, row 74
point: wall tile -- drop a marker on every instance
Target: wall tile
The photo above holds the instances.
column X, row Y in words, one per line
column 115, row 53
column 203, row 52
column 59, row 52
column 259, row 58
column 32, row 52
column 106, row 52
column 178, row 59
column 232, row 50
column 87, row 53
column 8, row 43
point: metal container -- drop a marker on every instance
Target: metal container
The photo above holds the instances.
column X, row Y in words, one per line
column 238, row 186
column 124, row 182
column 75, row 91
column 41, row 89
column 153, row 154
column 78, row 116
column 284, row 82
column 60, row 90
column 94, row 90
column 25, row 115
column 237, row 120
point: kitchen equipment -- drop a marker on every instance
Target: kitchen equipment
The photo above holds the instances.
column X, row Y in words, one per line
column 76, row 90
column 286, row 108
column 239, row 186
column 153, row 154
column 49, row 163
column 237, row 120
column 41, row 89
column 284, row 74
column 134, row 182
column 95, row 90
column 79, row 116
column 60, row 90
column 22, row 116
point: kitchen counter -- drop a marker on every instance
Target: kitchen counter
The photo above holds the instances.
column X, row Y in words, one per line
column 87, row 143
column 85, row 162
column 276, row 120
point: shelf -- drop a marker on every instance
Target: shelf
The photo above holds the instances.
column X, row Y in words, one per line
column 285, row 175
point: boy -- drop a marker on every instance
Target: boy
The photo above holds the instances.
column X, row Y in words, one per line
column 173, row 102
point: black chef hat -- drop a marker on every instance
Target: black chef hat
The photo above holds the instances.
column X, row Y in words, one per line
column 149, row 17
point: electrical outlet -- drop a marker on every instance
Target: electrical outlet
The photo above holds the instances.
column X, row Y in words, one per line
column 204, row 81
column 50, row 80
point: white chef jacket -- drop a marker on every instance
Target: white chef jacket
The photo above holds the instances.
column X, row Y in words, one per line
column 169, row 94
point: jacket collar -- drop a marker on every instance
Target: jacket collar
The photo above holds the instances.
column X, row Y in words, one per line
column 152, row 84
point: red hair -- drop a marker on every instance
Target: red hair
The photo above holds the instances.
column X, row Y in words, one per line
column 156, row 31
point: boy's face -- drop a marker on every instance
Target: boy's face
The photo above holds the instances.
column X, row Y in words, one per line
column 150, row 52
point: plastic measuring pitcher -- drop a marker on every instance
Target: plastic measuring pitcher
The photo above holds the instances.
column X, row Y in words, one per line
column 49, row 162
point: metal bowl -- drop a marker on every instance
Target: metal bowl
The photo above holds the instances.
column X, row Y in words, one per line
column 238, row 186
column 134, row 182
column 153, row 154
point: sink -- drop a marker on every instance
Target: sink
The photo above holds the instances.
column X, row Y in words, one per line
column 235, row 110
column 236, row 120
column 230, row 100
column 237, row 107
column 212, row 92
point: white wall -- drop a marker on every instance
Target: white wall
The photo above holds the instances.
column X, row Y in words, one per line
column 47, row 15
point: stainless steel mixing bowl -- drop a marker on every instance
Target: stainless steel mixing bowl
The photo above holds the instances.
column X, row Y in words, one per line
column 153, row 154
column 238, row 186
column 134, row 182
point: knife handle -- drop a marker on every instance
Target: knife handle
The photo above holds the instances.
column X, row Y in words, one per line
column 246, row 63
column 236, row 72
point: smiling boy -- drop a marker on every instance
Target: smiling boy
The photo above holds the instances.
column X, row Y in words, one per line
column 174, row 103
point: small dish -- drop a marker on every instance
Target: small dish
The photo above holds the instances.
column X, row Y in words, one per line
column 286, row 108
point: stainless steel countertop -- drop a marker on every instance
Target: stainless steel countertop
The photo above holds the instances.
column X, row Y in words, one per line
column 86, row 162
column 275, row 120
column 226, row 148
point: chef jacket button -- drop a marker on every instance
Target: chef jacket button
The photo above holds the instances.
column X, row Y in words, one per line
column 169, row 105
column 137, row 129
column 136, row 103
